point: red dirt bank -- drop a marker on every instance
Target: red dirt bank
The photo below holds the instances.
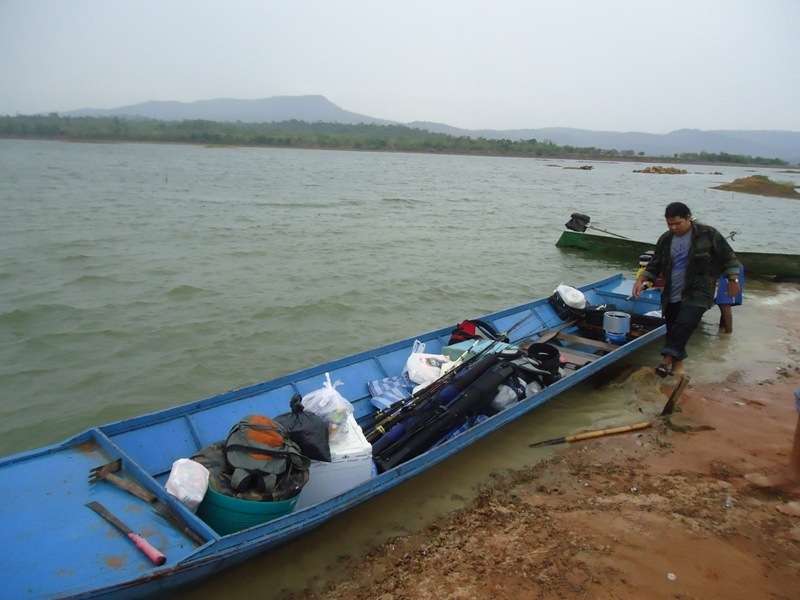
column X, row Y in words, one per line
column 661, row 513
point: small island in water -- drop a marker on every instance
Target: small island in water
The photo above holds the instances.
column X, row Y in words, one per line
column 659, row 170
column 761, row 185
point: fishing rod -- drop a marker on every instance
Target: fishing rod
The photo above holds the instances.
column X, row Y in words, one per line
column 442, row 419
column 393, row 408
column 387, row 418
column 397, row 425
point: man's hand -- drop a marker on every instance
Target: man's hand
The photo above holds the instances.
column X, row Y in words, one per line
column 638, row 286
column 733, row 288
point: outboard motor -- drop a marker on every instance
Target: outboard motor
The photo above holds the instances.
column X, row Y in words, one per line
column 578, row 222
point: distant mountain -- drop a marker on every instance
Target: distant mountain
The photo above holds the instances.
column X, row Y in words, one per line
column 265, row 110
column 766, row 144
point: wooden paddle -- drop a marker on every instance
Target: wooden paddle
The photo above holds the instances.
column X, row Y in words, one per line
column 592, row 434
column 549, row 334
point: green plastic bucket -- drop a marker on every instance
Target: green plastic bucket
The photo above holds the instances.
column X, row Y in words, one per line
column 225, row 514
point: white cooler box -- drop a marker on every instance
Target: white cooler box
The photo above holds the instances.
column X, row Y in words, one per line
column 351, row 464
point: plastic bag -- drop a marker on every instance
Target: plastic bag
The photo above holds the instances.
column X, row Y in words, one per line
column 331, row 406
column 508, row 394
column 572, row 297
column 534, row 387
column 188, row 482
column 307, row 430
column 425, row 368
column 422, row 368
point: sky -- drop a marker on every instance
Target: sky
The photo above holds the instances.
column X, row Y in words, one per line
column 605, row 65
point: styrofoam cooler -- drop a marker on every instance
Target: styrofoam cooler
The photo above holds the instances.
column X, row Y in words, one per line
column 351, row 464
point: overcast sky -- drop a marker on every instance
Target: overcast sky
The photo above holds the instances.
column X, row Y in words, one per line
column 616, row 65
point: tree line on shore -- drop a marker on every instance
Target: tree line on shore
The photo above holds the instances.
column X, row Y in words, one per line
column 335, row 136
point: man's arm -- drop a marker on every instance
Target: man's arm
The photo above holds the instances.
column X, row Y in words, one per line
column 729, row 263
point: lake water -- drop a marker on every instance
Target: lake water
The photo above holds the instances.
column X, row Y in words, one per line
column 136, row 277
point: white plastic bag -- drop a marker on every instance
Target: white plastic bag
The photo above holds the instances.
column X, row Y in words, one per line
column 424, row 368
column 534, row 387
column 508, row 395
column 331, row 406
column 188, row 482
column 572, row 297
column 504, row 398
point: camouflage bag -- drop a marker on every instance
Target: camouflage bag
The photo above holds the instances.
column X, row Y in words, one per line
column 257, row 461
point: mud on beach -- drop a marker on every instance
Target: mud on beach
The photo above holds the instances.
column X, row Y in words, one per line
column 663, row 512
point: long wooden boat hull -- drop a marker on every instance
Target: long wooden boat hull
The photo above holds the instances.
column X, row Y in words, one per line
column 54, row 547
column 756, row 264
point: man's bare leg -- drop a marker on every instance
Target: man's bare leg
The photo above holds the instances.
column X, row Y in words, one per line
column 789, row 479
column 791, row 509
column 726, row 317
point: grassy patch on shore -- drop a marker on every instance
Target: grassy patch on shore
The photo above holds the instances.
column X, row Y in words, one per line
column 761, row 185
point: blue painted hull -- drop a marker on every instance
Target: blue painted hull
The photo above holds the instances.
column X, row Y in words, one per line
column 54, row 547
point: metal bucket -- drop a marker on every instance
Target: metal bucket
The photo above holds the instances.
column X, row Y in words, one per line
column 616, row 322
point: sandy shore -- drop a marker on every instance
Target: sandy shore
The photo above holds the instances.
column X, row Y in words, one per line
column 664, row 512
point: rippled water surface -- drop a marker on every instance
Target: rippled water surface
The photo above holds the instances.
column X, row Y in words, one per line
column 137, row 277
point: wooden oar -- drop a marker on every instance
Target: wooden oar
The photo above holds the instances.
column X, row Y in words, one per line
column 549, row 334
column 592, row 434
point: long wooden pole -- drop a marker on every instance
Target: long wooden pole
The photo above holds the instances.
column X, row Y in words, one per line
column 592, row 434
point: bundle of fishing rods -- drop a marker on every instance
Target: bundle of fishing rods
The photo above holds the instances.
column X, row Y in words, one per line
column 408, row 428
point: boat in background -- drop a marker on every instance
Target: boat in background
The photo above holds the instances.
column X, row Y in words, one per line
column 611, row 246
column 55, row 545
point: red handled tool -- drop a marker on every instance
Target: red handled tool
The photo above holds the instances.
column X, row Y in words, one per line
column 141, row 543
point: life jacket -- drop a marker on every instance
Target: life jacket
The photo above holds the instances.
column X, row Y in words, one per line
column 474, row 329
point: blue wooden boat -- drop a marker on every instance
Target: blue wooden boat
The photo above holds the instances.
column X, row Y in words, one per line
column 53, row 546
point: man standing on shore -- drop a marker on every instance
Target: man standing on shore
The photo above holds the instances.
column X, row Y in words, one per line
column 690, row 256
